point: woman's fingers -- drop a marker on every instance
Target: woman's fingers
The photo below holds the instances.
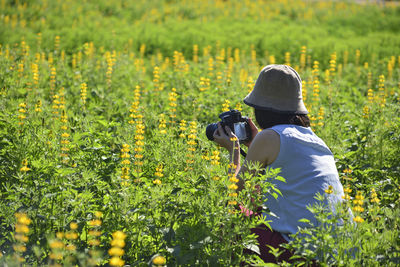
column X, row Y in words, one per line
column 253, row 127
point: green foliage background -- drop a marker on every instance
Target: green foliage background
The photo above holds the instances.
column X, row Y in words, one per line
column 186, row 218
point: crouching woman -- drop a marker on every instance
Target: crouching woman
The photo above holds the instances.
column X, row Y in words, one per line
column 286, row 142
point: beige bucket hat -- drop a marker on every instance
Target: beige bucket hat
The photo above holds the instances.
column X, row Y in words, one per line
column 278, row 88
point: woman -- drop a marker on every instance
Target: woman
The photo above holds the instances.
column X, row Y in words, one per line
column 286, row 142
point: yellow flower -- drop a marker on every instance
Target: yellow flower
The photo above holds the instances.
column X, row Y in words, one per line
column 95, row 222
column 358, row 219
column 24, row 169
column 116, row 251
column 70, row 247
column 99, row 214
column 232, row 202
column 118, row 243
column 94, row 242
column 125, row 162
column 56, row 244
column 71, row 235
column 358, row 209
column 215, row 178
column 60, row 235
column 119, row 235
column 233, row 186
column 157, row 181
column 116, row 261
column 24, row 220
column 159, row 260
column 21, row 238
column 73, row 226
column 94, row 233
column 19, row 248
column 21, row 228
column 56, row 256
column 233, row 180
column 329, row 190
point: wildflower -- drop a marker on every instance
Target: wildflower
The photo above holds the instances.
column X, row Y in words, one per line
column 116, row 261
column 329, row 190
column 233, row 180
column 119, row 235
column 162, row 124
column 358, row 219
column 95, row 222
column 71, row 235
column 159, row 260
column 19, row 248
column 94, row 242
column 233, row 186
column 225, row 106
column 24, row 167
column 116, row 251
column 215, row 158
column 56, row 244
column 374, row 196
column 172, row 103
column 22, row 110
column 232, row 202
column 73, row 226
column 60, row 235
column 157, row 181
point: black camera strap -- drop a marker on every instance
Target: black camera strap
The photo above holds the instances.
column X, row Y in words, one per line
column 242, row 152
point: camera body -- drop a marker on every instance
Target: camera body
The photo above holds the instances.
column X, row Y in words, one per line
column 235, row 121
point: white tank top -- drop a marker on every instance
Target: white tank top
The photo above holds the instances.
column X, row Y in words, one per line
column 308, row 167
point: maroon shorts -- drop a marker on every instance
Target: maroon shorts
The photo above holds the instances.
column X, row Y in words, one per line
column 272, row 238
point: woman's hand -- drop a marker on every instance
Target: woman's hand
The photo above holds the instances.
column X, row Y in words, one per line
column 254, row 132
column 227, row 140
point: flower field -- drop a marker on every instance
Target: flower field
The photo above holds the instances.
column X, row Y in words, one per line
column 103, row 108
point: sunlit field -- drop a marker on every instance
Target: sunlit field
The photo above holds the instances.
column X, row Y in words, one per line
column 103, row 108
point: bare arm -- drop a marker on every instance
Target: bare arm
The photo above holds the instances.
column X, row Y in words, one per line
column 264, row 149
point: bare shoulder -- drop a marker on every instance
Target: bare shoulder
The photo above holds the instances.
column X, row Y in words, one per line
column 265, row 147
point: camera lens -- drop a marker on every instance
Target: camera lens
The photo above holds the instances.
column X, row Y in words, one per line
column 210, row 130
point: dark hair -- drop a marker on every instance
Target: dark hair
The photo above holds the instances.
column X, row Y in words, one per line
column 268, row 118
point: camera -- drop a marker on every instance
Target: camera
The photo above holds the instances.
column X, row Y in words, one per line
column 235, row 121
